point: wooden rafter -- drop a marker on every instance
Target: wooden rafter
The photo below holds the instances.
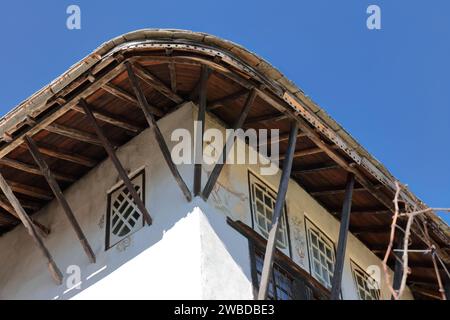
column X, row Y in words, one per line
column 333, row 192
column 65, row 155
column 29, row 225
column 73, row 134
column 265, row 119
column 225, row 100
column 173, row 76
column 196, row 91
column 317, row 169
column 218, row 167
column 113, row 120
column 157, row 132
column 30, row 191
column 32, row 147
column 116, row 162
column 119, row 93
column 157, row 84
column 281, row 138
column 33, row 170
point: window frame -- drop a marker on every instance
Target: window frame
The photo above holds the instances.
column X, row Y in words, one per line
column 357, row 268
column 250, row 173
column 135, row 175
column 308, row 225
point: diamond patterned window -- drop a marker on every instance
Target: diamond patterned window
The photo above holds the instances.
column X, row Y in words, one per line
column 263, row 200
column 124, row 218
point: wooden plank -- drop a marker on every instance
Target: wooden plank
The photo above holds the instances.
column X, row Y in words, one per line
column 199, row 138
column 53, row 268
column 307, row 152
column 30, row 191
column 157, row 132
column 336, row 281
column 112, row 120
column 225, row 100
column 155, row 83
column 266, row 118
column 33, row 170
column 313, row 170
column 112, row 155
column 333, row 192
column 119, row 93
column 173, row 77
column 277, row 212
column 231, row 139
column 366, row 212
column 65, row 155
column 58, row 112
column 32, row 147
column 195, row 92
column 73, row 134
column 281, row 138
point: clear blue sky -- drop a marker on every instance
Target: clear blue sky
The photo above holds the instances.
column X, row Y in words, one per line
column 389, row 88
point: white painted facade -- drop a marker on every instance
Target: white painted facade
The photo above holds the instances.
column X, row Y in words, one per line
column 189, row 252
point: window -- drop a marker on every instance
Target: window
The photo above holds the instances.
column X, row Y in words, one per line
column 263, row 200
column 123, row 217
column 321, row 256
column 281, row 283
column 366, row 285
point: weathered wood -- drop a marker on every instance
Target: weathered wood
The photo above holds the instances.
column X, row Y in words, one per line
column 112, row 120
column 30, row 191
column 173, row 77
column 155, row 83
column 199, row 142
column 32, row 169
column 50, row 117
column 65, row 155
column 280, row 138
column 307, row 152
column 196, row 91
column 227, row 147
column 333, row 192
column 277, row 212
column 54, row 270
column 265, row 119
column 32, row 147
column 365, row 212
column 116, row 162
column 225, row 100
column 74, row 134
column 27, row 204
column 336, row 281
column 319, row 169
column 119, row 93
column 157, row 132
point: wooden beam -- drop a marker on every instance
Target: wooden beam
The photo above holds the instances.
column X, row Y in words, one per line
column 112, row 155
column 385, row 229
column 277, row 212
column 336, row 282
column 173, row 76
column 227, row 147
column 332, row 192
column 155, row 83
column 267, row 118
column 53, row 268
column 365, row 212
column 157, row 132
column 313, row 170
column 307, row 152
column 32, row 147
column 30, row 191
column 32, row 169
column 27, row 204
column 225, row 100
column 281, row 138
column 112, row 120
column 198, row 150
column 119, row 93
column 195, row 92
column 74, row 134
column 65, row 155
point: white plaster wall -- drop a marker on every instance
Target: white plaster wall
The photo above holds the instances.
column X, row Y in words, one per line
column 189, row 251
